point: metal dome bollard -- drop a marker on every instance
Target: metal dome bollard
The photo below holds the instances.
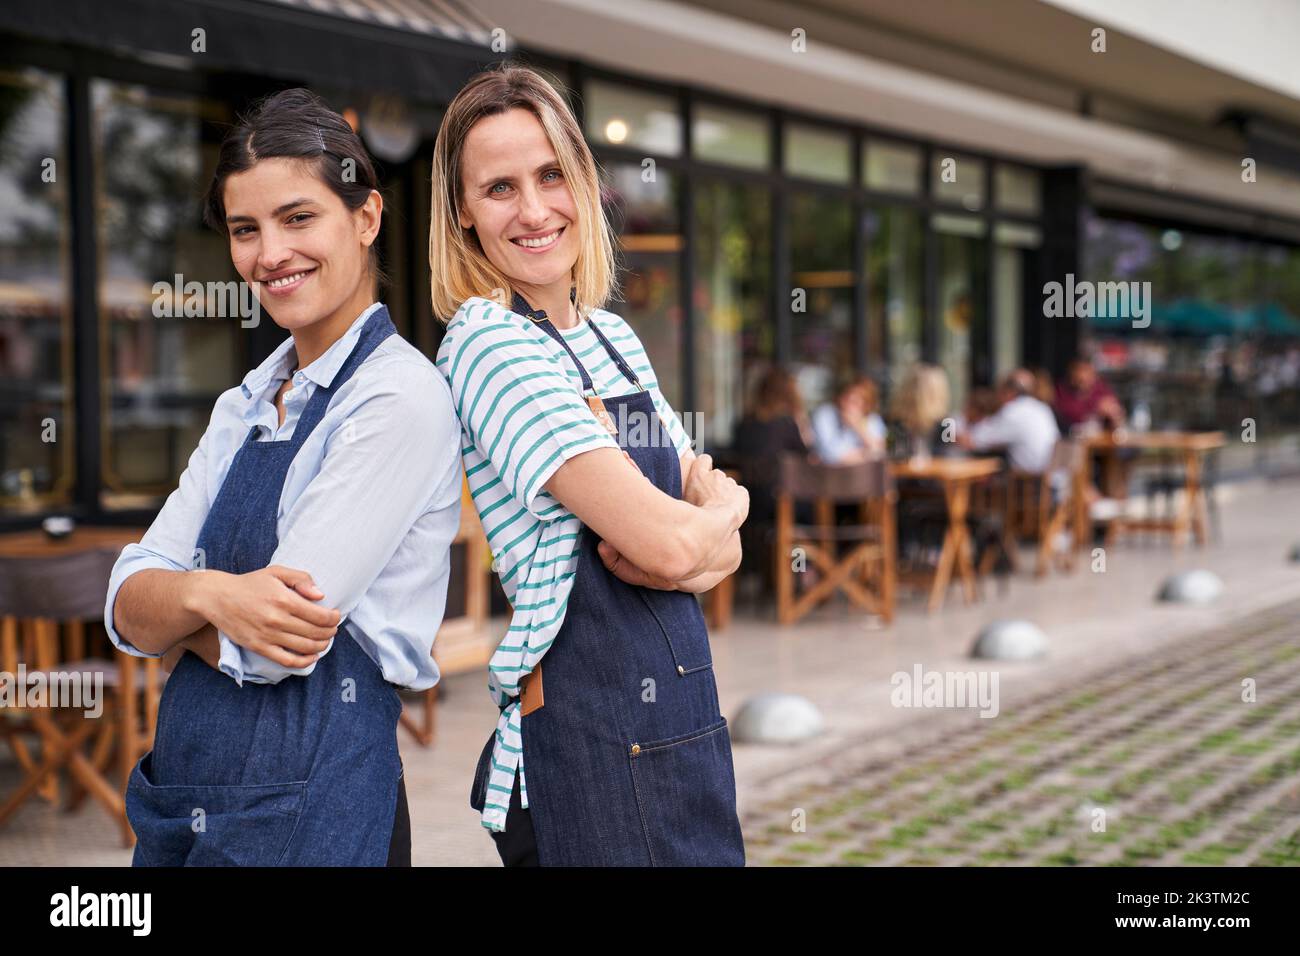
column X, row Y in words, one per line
column 776, row 719
column 1010, row 641
column 1191, row 587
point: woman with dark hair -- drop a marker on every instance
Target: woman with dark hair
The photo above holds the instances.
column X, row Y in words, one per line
column 774, row 422
column 303, row 559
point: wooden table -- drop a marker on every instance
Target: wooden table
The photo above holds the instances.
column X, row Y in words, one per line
column 1191, row 447
column 37, row 544
column 955, row 475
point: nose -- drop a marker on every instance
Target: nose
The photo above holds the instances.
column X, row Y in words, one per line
column 273, row 251
column 532, row 208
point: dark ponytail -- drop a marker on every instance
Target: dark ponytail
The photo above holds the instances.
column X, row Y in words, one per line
column 296, row 124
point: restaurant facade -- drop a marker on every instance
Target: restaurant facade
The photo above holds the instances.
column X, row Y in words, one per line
column 846, row 191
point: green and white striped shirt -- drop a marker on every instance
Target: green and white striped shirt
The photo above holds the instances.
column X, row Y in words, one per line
column 522, row 415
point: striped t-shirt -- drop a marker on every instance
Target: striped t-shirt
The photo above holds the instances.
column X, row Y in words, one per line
column 522, row 415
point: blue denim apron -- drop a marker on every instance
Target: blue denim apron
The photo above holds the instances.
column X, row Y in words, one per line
column 300, row 773
column 628, row 759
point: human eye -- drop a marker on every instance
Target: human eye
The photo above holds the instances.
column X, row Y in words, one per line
column 299, row 218
column 552, row 176
column 498, row 189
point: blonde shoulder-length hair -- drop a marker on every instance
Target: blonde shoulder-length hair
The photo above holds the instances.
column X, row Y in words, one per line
column 457, row 265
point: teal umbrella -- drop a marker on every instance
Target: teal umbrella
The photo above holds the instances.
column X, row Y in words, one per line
column 1271, row 318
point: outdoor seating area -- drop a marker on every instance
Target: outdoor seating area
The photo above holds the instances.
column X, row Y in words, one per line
column 881, row 513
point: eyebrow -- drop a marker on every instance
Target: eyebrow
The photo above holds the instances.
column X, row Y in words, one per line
column 491, row 180
column 277, row 211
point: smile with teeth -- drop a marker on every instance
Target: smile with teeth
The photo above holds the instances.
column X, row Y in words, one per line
column 287, row 280
column 540, row 242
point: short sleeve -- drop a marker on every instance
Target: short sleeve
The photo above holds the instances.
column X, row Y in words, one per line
column 518, row 409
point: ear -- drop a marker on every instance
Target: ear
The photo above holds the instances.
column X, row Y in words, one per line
column 369, row 216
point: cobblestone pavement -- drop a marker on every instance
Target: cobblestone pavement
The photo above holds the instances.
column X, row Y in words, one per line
column 1184, row 770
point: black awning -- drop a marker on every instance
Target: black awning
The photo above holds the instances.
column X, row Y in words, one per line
column 421, row 49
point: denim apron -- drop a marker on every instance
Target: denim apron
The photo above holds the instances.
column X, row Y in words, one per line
column 628, row 758
column 305, row 772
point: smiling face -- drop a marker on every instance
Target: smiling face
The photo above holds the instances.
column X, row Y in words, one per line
column 518, row 202
column 292, row 236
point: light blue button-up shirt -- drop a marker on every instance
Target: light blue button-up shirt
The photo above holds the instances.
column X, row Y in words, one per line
column 369, row 507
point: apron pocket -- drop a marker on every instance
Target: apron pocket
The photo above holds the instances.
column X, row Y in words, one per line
column 677, row 612
column 236, row 825
column 686, row 792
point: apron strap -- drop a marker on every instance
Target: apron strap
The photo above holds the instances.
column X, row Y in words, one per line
column 520, row 305
column 377, row 328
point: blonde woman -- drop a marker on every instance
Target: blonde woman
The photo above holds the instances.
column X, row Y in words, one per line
column 920, row 402
column 601, row 520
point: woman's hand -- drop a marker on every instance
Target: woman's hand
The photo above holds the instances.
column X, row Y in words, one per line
column 705, row 486
column 270, row 612
column 625, row 570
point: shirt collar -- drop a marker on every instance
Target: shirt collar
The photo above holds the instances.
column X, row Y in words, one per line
column 322, row 371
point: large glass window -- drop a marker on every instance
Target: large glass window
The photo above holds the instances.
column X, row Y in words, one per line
column 639, row 119
column 734, row 334
column 894, row 276
column 817, row 152
column 37, row 434
column 643, row 207
column 892, row 167
column 161, row 375
column 732, row 137
column 1017, row 190
column 960, row 298
column 821, row 241
column 1014, row 246
column 958, row 179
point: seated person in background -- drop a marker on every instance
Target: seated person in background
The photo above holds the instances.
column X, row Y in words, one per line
column 774, row 423
column 1083, row 397
column 918, row 404
column 849, row 430
column 1024, row 426
column 980, row 404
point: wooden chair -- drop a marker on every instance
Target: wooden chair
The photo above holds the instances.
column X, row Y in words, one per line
column 992, row 514
column 867, row 573
column 1062, row 505
column 44, row 603
column 463, row 643
column 1043, row 506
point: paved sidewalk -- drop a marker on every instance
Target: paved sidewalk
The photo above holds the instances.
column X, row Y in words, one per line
column 1105, row 624
column 1158, row 761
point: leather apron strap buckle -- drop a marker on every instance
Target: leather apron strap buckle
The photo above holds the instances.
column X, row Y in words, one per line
column 530, row 691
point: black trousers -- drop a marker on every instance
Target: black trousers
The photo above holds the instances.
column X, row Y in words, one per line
column 399, row 846
column 517, row 846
